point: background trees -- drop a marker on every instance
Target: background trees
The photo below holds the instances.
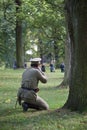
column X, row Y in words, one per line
column 41, row 22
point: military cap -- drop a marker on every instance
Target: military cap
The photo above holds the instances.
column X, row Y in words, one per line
column 35, row 60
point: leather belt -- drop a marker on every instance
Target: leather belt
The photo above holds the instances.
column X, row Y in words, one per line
column 27, row 88
column 35, row 90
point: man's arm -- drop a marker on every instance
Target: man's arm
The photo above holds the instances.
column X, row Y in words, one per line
column 42, row 77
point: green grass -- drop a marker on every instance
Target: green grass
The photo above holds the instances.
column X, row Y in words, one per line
column 54, row 119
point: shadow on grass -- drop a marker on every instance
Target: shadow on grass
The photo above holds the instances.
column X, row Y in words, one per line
column 41, row 120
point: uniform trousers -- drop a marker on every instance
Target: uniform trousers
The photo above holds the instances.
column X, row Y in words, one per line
column 32, row 98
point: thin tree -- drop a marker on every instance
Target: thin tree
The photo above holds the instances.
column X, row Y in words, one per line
column 19, row 41
column 67, row 61
column 65, row 82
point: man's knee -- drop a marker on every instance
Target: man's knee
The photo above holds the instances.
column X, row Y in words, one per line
column 45, row 107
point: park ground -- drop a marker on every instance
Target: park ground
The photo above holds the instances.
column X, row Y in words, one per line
column 12, row 118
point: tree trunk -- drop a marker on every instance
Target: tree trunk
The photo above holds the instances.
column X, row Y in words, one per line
column 67, row 62
column 65, row 82
column 77, row 27
column 56, row 52
column 19, row 42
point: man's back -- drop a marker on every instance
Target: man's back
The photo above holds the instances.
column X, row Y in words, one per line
column 32, row 76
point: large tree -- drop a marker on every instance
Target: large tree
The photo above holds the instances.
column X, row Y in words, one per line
column 77, row 28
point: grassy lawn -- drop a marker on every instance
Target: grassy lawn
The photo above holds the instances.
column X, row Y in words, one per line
column 15, row 119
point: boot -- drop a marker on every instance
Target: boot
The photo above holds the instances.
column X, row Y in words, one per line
column 25, row 106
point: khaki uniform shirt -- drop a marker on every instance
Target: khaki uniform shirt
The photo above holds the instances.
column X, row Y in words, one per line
column 30, row 79
column 32, row 76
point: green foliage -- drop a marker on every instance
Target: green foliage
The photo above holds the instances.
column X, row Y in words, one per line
column 7, row 26
column 46, row 23
column 43, row 22
column 2, row 51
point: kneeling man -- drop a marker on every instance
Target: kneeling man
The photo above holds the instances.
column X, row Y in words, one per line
column 29, row 87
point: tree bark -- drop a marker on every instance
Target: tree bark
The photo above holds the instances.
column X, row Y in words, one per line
column 77, row 28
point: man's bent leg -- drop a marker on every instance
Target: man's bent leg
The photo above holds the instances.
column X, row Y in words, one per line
column 40, row 104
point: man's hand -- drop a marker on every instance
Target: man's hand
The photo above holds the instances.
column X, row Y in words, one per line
column 36, row 90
